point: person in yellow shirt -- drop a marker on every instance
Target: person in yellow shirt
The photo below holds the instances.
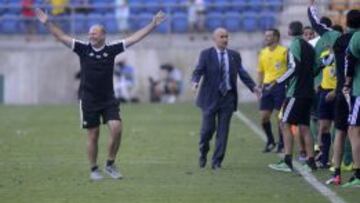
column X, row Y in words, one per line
column 272, row 64
column 59, row 6
column 326, row 106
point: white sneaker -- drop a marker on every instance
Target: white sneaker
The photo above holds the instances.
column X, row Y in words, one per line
column 96, row 175
column 113, row 172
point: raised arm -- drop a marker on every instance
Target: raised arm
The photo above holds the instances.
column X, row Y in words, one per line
column 315, row 20
column 53, row 29
column 140, row 34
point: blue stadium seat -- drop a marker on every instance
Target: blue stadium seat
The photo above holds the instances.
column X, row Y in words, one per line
column 214, row 20
column 153, row 6
column 163, row 27
column 256, row 5
column 170, row 1
column 236, row 6
column 219, row 6
column 136, row 6
column 100, row 7
column 111, row 23
column 179, row 23
column 267, row 20
column 139, row 21
column 274, row 5
column 249, row 21
column 232, row 21
column 63, row 22
column 95, row 18
column 10, row 24
column 179, row 8
column 14, row 7
column 80, row 23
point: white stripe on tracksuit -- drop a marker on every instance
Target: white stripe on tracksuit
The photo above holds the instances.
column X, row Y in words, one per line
column 355, row 112
column 288, row 109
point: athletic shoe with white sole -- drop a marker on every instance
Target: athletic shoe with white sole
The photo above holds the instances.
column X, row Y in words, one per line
column 335, row 180
column 113, row 172
column 281, row 166
column 354, row 182
column 96, row 175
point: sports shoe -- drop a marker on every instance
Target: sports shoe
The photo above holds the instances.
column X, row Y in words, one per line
column 113, row 172
column 335, row 180
column 96, row 175
column 307, row 168
column 354, row 182
column 344, row 167
column 281, row 166
column 269, row 147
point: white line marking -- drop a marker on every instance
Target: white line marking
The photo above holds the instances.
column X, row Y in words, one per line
column 325, row 191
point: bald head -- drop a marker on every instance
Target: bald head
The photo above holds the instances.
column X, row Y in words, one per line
column 221, row 38
column 97, row 35
column 97, row 27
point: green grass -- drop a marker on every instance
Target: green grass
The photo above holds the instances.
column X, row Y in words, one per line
column 42, row 159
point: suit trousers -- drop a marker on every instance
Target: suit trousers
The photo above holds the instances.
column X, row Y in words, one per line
column 217, row 119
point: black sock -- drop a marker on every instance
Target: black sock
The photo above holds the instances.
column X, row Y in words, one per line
column 94, row 168
column 281, row 140
column 357, row 173
column 326, row 141
column 267, row 128
column 110, row 162
column 311, row 163
column 337, row 172
column 288, row 160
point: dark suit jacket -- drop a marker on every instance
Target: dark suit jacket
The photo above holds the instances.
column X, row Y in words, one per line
column 208, row 67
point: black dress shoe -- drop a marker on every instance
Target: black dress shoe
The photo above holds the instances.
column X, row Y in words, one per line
column 202, row 162
column 269, row 147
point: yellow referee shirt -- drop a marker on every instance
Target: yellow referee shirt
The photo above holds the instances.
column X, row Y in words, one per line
column 328, row 81
column 272, row 63
column 59, row 6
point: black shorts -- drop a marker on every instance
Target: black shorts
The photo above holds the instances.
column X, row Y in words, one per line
column 354, row 119
column 341, row 113
column 296, row 111
column 325, row 109
column 272, row 99
column 315, row 102
column 90, row 115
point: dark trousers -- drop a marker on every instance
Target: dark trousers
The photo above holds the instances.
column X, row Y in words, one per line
column 219, row 120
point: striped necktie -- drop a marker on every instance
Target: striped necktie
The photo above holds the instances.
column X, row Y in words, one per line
column 222, row 87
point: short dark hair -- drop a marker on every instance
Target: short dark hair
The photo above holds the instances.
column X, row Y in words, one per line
column 308, row 28
column 353, row 19
column 326, row 21
column 338, row 28
column 276, row 32
column 296, row 28
column 167, row 66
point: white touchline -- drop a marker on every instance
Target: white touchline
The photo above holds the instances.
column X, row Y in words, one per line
column 325, row 191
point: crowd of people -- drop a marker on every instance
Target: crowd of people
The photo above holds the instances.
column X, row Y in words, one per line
column 318, row 88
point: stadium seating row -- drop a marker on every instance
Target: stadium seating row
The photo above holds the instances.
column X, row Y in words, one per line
column 173, row 6
column 249, row 22
column 235, row 15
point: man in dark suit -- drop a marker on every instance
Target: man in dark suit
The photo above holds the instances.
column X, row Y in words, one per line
column 217, row 96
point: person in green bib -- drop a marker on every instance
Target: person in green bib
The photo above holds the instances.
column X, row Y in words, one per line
column 352, row 86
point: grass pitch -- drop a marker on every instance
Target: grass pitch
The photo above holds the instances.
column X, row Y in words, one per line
column 42, row 159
